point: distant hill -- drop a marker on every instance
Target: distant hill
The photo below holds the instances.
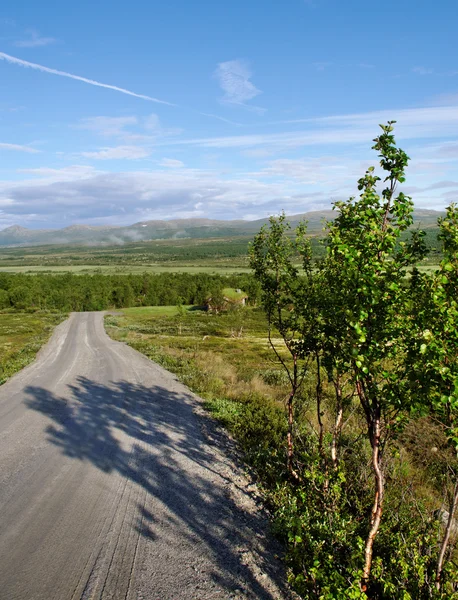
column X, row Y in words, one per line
column 173, row 229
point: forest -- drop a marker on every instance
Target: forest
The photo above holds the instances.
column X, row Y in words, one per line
column 69, row 292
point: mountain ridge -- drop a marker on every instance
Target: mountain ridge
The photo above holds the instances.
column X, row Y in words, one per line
column 194, row 228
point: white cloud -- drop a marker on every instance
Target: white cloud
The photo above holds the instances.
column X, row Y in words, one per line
column 50, row 175
column 234, row 79
column 330, row 170
column 443, row 184
column 171, row 163
column 223, row 119
column 6, row 202
column 432, row 122
column 321, row 66
column 12, row 109
column 148, row 129
column 106, row 197
column 422, row 71
column 257, row 152
column 17, row 147
column 445, row 100
column 448, row 150
column 152, row 123
column 34, row 40
column 118, row 153
column 82, row 194
column 107, row 126
column 24, row 63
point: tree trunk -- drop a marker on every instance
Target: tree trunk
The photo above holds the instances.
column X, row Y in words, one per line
column 289, row 438
column 448, row 529
column 377, row 509
column 319, row 398
column 319, row 391
column 290, row 450
column 338, row 422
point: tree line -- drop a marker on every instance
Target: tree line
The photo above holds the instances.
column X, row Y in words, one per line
column 380, row 340
column 71, row 292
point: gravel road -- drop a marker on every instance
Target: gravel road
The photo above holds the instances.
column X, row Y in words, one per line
column 114, row 484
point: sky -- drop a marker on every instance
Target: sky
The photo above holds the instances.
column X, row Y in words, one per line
column 120, row 112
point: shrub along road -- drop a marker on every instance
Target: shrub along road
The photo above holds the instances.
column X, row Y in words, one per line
column 114, row 483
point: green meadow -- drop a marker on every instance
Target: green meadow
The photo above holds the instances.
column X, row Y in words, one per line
column 21, row 336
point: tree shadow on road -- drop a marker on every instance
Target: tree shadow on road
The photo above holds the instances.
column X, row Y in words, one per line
column 153, row 438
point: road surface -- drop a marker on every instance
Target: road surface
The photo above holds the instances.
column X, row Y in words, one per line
column 115, row 485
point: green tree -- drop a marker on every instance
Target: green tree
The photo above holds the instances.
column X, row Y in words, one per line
column 432, row 359
column 286, row 302
column 365, row 251
column 4, row 299
column 21, row 297
column 350, row 314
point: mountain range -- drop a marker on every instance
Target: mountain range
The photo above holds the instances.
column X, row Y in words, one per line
column 16, row 235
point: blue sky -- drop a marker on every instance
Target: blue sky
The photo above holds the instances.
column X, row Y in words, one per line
column 118, row 112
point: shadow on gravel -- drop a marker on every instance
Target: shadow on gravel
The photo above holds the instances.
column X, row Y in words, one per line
column 92, row 423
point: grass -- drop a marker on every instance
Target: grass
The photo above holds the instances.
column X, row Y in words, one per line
column 430, row 268
column 154, row 269
column 220, row 253
column 217, row 355
column 224, row 255
column 232, row 294
column 124, row 270
column 226, row 359
column 21, row 336
column 146, row 312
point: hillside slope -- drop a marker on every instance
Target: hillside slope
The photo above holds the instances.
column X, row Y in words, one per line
column 173, row 229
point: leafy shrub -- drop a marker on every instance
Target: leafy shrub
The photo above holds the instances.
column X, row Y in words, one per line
column 275, row 377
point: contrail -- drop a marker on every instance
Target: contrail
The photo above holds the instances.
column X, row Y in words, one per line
column 18, row 147
column 24, row 63
column 212, row 116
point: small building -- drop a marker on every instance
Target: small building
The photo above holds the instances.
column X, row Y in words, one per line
column 231, row 298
